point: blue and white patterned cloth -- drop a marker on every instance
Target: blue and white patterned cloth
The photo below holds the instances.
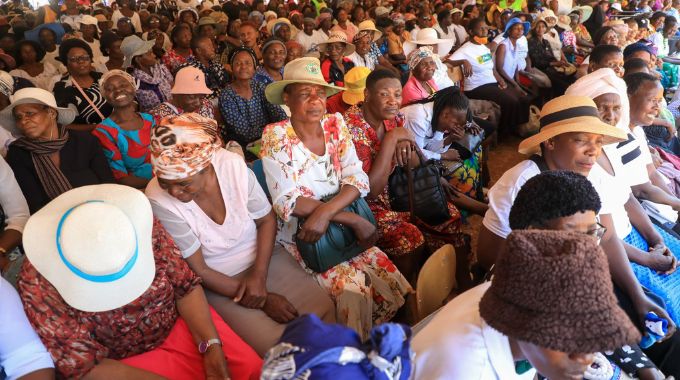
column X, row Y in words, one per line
column 311, row 349
column 666, row 287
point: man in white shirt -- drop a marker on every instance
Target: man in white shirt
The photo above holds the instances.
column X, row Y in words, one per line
column 501, row 329
column 310, row 37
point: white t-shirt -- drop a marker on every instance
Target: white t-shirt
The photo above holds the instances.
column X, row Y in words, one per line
column 360, row 61
column 458, row 344
column 629, row 158
column 461, row 33
column 481, row 60
column 21, row 351
column 503, row 193
column 230, row 247
column 136, row 21
column 310, row 42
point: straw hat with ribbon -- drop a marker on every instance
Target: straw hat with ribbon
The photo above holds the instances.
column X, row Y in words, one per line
column 369, row 26
column 355, row 83
column 584, row 10
column 301, row 70
column 92, row 268
column 569, row 113
column 337, row 36
column 564, row 22
column 428, row 36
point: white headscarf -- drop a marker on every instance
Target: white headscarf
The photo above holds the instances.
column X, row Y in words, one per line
column 600, row 82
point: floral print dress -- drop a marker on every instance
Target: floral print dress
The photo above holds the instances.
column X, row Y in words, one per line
column 397, row 236
column 367, row 289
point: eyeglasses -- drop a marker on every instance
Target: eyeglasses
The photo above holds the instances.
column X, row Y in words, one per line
column 79, row 59
column 597, row 232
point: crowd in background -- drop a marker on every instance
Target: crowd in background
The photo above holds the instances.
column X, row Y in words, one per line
column 209, row 189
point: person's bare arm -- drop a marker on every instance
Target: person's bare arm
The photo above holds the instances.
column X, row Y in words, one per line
column 215, row 281
column 41, row 374
column 655, row 194
column 640, row 220
column 134, row 181
column 489, row 245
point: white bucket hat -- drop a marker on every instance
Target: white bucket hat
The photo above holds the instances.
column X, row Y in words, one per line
column 93, row 244
column 34, row 95
column 428, row 36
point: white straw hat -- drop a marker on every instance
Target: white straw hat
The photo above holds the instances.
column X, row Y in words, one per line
column 34, row 95
column 301, row 70
column 93, row 244
column 428, row 36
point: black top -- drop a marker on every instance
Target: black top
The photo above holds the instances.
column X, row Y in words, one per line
column 82, row 161
column 66, row 94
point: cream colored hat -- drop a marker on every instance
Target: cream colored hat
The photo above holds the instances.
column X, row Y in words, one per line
column 548, row 16
column 93, row 244
column 34, row 95
column 301, row 70
column 337, row 36
column 369, row 26
column 569, row 113
column 428, row 36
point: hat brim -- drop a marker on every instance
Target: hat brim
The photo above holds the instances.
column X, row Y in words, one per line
column 353, row 97
column 143, row 49
column 563, row 26
column 570, row 335
column 349, row 48
column 376, row 33
column 582, row 124
column 34, row 33
column 586, row 12
column 39, row 239
column 66, row 115
column 444, row 46
column 274, row 91
column 526, row 25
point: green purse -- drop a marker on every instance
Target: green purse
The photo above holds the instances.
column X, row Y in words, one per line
column 337, row 245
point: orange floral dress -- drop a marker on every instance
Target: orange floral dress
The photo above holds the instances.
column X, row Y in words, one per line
column 397, row 236
column 367, row 289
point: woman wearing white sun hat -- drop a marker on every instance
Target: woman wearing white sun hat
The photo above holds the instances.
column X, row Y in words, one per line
column 123, row 304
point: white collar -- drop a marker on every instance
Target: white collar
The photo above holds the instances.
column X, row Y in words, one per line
column 500, row 354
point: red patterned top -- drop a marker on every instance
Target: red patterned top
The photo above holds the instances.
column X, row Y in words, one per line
column 78, row 340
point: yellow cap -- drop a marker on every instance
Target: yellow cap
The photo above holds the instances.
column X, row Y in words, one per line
column 355, row 83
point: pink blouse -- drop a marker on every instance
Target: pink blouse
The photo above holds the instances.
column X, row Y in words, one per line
column 414, row 90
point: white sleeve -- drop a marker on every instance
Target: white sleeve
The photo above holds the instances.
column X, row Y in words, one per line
column 418, row 122
column 21, row 351
column 258, row 205
column 12, row 199
column 185, row 238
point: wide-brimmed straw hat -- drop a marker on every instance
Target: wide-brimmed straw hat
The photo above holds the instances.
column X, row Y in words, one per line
column 428, row 36
column 528, row 301
column 133, row 46
column 301, row 70
column 369, row 26
column 355, row 84
column 564, row 22
column 272, row 23
column 190, row 80
column 93, row 244
column 548, row 16
column 569, row 113
column 585, row 10
column 34, row 95
column 337, row 36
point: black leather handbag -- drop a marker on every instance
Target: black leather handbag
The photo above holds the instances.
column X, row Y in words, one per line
column 337, row 245
column 419, row 190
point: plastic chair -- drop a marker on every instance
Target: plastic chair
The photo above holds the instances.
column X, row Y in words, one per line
column 435, row 281
column 256, row 167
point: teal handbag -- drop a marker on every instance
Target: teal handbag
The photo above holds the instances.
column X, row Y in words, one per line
column 337, row 245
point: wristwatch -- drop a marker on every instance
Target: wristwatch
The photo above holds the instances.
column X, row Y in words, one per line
column 204, row 345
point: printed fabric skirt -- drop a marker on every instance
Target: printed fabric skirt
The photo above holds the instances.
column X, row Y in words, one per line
column 468, row 179
column 367, row 290
column 667, row 287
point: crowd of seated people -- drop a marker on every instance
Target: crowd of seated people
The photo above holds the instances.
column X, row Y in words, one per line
column 183, row 182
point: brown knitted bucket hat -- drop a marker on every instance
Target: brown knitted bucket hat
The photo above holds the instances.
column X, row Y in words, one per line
column 552, row 289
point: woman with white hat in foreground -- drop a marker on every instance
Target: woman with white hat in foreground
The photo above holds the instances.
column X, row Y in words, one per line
column 121, row 305
column 311, row 157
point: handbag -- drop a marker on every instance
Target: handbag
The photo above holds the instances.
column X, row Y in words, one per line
column 470, row 142
column 338, row 244
column 420, row 191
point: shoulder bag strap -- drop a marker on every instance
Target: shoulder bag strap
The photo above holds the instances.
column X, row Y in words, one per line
column 540, row 162
column 75, row 83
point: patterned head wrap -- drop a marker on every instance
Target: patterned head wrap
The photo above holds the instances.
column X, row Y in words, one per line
column 120, row 73
column 182, row 146
column 416, row 56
